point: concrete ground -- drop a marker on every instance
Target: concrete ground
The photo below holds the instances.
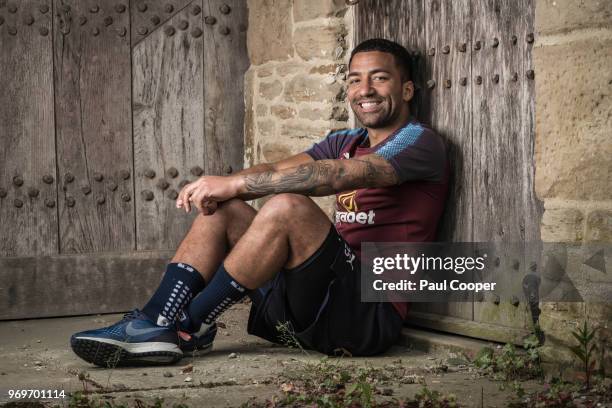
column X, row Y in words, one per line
column 35, row 354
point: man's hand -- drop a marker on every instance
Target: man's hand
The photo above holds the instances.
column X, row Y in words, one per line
column 206, row 192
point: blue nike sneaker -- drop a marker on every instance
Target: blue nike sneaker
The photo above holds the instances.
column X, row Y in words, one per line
column 134, row 340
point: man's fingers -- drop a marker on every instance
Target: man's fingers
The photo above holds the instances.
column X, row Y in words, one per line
column 183, row 198
column 196, row 200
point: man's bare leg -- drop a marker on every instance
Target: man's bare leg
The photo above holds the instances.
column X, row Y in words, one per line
column 287, row 231
column 212, row 236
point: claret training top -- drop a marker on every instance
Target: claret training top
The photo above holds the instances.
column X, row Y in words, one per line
column 407, row 212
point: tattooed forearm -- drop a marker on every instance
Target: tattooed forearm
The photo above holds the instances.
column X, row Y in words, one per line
column 311, row 179
column 323, row 177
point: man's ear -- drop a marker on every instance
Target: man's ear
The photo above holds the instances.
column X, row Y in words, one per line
column 407, row 91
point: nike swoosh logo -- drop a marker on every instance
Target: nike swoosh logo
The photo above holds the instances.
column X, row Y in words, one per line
column 130, row 330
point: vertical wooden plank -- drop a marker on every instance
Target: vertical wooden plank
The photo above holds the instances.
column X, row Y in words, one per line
column 28, row 204
column 533, row 207
column 94, row 142
column 448, row 29
column 503, row 138
column 168, row 125
column 225, row 62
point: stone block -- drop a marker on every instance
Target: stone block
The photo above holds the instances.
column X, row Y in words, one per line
column 599, row 226
column 290, row 68
column 261, row 110
column 328, row 69
column 272, row 152
column 311, row 9
column 562, row 225
column 565, row 15
column 304, row 131
column 318, row 42
column 263, row 72
column 266, row 128
column 323, row 112
column 269, row 35
column 312, row 88
column 270, row 90
column 283, row 112
column 574, row 110
column 559, row 320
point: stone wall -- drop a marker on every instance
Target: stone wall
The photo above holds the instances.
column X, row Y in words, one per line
column 295, row 91
column 574, row 147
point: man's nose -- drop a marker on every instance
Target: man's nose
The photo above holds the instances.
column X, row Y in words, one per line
column 365, row 87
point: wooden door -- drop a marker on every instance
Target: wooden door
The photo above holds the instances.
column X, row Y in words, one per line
column 108, row 109
column 475, row 87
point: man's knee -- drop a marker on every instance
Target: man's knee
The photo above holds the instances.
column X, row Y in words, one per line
column 236, row 206
column 231, row 210
column 287, row 205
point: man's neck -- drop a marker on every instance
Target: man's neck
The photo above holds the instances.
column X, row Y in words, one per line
column 378, row 135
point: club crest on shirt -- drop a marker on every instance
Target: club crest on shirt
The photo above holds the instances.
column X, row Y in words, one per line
column 347, row 200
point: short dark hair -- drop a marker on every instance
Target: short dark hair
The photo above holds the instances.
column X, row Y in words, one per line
column 403, row 59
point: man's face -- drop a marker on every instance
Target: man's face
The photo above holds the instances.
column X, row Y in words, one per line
column 375, row 90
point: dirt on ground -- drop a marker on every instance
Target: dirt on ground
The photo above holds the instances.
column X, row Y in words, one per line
column 241, row 370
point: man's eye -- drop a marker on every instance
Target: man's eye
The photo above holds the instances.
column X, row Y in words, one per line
column 353, row 81
column 379, row 78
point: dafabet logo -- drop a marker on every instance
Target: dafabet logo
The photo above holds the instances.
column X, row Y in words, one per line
column 351, row 214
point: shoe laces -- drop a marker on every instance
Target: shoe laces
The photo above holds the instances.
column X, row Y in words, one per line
column 131, row 315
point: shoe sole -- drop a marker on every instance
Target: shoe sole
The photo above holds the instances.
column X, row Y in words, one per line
column 200, row 351
column 110, row 354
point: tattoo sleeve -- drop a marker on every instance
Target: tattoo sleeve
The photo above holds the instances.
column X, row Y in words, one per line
column 322, row 177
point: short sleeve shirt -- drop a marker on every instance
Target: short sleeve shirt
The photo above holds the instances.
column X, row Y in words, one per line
column 407, row 212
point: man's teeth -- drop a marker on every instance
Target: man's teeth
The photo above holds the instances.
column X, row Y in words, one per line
column 367, row 105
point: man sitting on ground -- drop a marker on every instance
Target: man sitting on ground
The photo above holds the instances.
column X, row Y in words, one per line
column 390, row 179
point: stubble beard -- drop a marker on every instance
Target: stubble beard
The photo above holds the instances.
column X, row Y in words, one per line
column 377, row 121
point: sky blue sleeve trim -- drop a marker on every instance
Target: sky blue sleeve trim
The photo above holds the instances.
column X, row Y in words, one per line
column 408, row 136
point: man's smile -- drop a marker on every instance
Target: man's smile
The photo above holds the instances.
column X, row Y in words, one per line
column 369, row 106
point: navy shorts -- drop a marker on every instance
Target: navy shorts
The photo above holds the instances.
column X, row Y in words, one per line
column 319, row 303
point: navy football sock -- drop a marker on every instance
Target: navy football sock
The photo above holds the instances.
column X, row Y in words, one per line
column 179, row 285
column 222, row 292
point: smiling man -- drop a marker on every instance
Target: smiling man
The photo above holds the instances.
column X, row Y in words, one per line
column 301, row 271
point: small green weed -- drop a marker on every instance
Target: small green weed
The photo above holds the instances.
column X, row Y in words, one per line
column 585, row 350
column 508, row 364
column 287, row 336
column 427, row 398
column 332, row 384
column 562, row 394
